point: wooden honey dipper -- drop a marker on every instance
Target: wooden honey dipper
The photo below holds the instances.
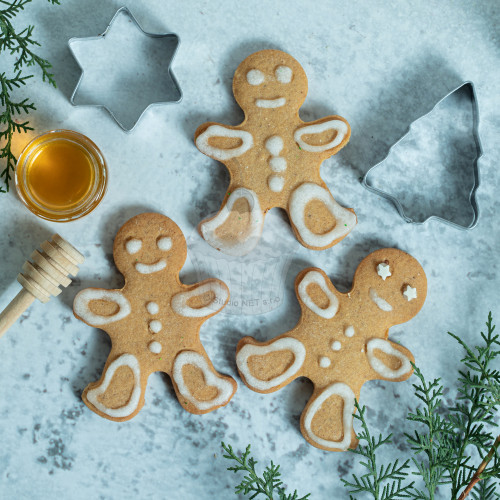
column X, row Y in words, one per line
column 41, row 277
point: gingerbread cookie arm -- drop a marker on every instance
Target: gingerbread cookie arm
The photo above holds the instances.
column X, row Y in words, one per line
column 221, row 142
column 119, row 394
column 201, row 300
column 112, row 299
column 269, row 366
column 327, row 419
column 388, row 360
column 324, row 137
column 324, row 235
column 240, row 238
column 199, row 388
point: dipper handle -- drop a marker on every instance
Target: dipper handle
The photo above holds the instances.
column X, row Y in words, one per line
column 42, row 277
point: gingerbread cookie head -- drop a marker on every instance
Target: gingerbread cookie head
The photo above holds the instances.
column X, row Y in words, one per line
column 149, row 245
column 154, row 323
column 340, row 343
column 270, row 80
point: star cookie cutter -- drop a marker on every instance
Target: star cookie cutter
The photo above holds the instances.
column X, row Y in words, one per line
column 475, row 168
column 162, row 90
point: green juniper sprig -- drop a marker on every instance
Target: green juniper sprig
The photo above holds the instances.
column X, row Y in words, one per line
column 382, row 483
column 254, row 485
column 19, row 44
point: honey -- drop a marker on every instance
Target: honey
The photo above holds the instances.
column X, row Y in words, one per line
column 61, row 176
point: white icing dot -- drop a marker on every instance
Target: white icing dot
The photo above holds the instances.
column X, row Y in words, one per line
column 164, row 243
column 155, row 347
column 379, row 301
column 150, row 268
column 349, row 331
column 384, row 270
column 155, row 326
column 223, row 154
column 324, row 362
column 336, row 346
column 255, row 77
column 410, row 293
column 379, row 366
column 345, row 219
column 338, row 125
column 82, row 309
column 133, row 246
column 316, row 277
column 277, row 164
column 276, row 183
column 270, row 103
column 284, row 344
column 274, row 145
column 283, row 74
column 152, row 307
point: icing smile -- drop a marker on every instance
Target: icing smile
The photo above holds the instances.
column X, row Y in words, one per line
column 150, row 268
column 270, row 103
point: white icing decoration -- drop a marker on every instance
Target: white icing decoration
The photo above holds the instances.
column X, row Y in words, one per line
column 345, row 219
column 338, row 125
column 239, row 246
column 324, row 362
column 225, row 388
column 384, row 270
column 284, row 344
column 349, row 331
column 379, row 366
column 346, row 393
column 277, row 164
column 270, row 103
column 150, row 268
column 379, row 301
column 83, row 298
column 164, row 243
column 124, row 360
column 224, row 154
column 276, row 183
column 133, row 246
column 155, row 326
column 410, row 293
column 336, row 345
column 317, row 278
column 155, row 347
column 274, row 145
column 283, row 74
column 152, row 307
column 179, row 301
column 255, row 77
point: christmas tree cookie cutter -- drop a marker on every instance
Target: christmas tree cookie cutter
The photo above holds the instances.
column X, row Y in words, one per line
column 475, row 168
column 126, row 75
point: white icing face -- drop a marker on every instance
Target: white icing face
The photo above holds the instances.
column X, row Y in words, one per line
column 384, row 270
column 150, row 268
column 283, row 74
column 164, row 243
column 410, row 293
column 133, row 246
column 379, row 301
column 255, row 77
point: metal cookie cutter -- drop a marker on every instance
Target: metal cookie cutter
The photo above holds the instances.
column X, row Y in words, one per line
column 126, row 75
column 479, row 152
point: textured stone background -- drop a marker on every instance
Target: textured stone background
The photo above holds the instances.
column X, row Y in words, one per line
column 381, row 65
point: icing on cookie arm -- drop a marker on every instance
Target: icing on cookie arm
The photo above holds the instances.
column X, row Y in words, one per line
column 212, row 296
column 82, row 310
column 400, row 360
column 337, row 139
column 216, row 130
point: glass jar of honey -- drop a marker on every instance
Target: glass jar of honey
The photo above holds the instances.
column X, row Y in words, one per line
column 61, row 176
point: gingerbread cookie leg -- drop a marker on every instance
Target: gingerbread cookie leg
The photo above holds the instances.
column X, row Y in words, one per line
column 269, row 366
column 323, row 235
column 235, row 230
column 335, row 432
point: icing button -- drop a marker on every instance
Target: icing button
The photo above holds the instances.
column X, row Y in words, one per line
column 155, row 347
column 155, row 326
column 324, row 362
column 336, row 345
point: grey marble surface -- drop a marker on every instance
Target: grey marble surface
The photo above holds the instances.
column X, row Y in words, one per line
column 379, row 64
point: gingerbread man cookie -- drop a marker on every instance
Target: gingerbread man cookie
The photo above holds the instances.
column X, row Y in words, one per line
column 154, row 323
column 274, row 160
column 340, row 342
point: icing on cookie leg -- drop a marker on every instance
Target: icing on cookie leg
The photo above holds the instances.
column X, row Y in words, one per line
column 345, row 220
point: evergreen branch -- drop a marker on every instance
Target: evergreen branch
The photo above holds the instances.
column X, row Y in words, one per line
column 254, row 485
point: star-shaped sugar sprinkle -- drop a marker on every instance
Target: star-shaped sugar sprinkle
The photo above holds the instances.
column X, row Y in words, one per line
column 410, row 293
column 383, row 270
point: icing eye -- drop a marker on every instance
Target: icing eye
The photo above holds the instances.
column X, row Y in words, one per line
column 133, row 246
column 283, row 74
column 255, row 77
column 164, row 243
